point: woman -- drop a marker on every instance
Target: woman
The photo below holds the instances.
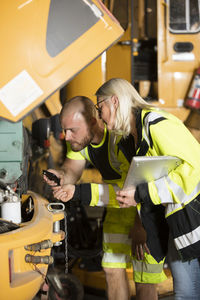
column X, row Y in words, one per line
column 159, row 133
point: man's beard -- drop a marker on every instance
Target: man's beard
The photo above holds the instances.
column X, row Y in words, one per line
column 75, row 146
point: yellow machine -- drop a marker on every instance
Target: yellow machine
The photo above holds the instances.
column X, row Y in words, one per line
column 43, row 45
column 158, row 52
column 49, row 47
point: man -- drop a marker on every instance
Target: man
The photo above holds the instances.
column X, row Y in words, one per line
column 111, row 155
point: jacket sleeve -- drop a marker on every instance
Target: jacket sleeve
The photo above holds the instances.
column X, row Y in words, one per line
column 171, row 137
column 93, row 194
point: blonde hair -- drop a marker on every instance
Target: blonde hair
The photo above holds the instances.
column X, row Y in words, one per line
column 129, row 102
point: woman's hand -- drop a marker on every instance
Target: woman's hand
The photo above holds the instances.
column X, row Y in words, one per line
column 64, row 192
column 138, row 237
column 126, row 198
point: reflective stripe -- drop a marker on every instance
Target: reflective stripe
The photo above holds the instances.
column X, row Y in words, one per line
column 187, row 239
column 163, row 192
column 163, row 184
column 152, row 116
column 84, row 152
column 172, row 208
column 141, row 266
column 116, row 238
column 116, row 258
column 103, row 195
column 184, row 198
column 177, row 189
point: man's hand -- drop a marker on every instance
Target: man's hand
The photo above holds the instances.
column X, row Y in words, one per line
column 58, row 173
column 126, row 198
column 138, row 237
column 64, row 192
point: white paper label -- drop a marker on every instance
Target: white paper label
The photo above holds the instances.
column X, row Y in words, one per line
column 19, row 93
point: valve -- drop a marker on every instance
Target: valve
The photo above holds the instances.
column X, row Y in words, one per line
column 46, row 244
column 47, row 260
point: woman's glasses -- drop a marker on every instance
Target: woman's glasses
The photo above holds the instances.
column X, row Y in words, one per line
column 98, row 108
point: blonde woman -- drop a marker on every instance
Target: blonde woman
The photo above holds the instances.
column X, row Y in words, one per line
column 157, row 133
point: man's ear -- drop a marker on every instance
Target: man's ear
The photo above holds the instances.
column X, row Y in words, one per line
column 93, row 121
column 115, row 101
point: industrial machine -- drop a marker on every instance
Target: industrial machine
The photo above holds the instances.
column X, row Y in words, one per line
column 158, row 52
column 52, row 49
column 44, row 44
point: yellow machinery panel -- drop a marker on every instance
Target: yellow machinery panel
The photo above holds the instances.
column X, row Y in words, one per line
column 21, row 280
column 44, row 44
column 178, row 51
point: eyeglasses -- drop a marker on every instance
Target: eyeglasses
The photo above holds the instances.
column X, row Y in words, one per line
column 97, row 106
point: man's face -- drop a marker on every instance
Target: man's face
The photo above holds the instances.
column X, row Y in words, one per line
column 77, row 131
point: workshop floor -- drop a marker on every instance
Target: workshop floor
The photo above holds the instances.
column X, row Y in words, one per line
column 92, row 297
column 89, row 296
column 94, row 285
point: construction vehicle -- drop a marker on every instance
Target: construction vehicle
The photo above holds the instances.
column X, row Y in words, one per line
column 154, row 46
column 159, row 54
column 44, row 44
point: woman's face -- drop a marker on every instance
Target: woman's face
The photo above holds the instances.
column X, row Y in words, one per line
column 107, row 111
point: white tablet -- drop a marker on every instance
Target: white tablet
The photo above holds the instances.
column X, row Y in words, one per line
column 147, row 168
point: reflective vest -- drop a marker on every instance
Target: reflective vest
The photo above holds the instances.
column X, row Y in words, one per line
column 161, row 133
column 112, row 158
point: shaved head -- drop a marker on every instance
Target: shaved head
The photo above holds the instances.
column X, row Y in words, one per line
column 79, row 107
column 77, row 118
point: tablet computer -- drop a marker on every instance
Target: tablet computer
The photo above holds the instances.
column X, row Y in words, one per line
column 147, row 168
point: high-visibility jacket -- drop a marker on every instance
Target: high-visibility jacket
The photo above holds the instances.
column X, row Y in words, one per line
column 112, row 158
column 113, row 164
column 160, row 133
column 163, row 134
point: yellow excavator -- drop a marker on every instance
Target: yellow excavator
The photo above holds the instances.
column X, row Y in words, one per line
column 44, row 44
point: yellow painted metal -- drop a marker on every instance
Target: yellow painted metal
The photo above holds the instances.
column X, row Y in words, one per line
column 119, row 59
column 87, row 81
column 174, row 77
column 23, row 51
column 21, row 280
column 53, row 103
column 23, row 37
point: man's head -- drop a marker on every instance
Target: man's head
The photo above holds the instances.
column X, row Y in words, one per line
column 78, row 119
